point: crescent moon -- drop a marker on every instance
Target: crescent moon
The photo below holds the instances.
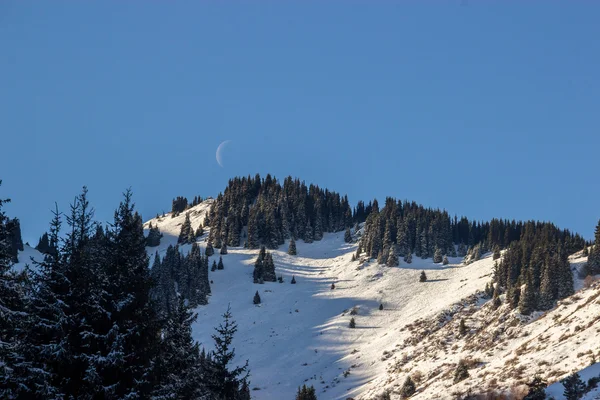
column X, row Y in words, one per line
column 220, row 149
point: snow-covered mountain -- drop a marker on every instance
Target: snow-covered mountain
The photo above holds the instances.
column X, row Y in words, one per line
column 300, row 333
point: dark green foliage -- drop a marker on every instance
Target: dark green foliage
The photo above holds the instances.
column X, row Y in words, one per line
column 539, row 259
column 593, row 264
column 408, row 258
column 154, row 236
column 209, row 251
column 43, row 245
column 220, row 264
column 223, row 381
column 392, row 258
column 199, row 231
column 223, row 249
column 214, row 266
column 352, row 323
column 274, row 212
column 180, row 204
column 496, row 254
column 422, row 277
column 332, row 286
column 574, row 387
column 348, row 236
column 306, row 393
column 292, row 247
column 496, row 301
column 186, row 234
column 256, row 298
column 15, row 242
column 437, row 256
column 264, row 267
column 537, row 389
column 445, row 260
column 293, row 281
column 408, row 388
column 461, row 372
column 380, row 306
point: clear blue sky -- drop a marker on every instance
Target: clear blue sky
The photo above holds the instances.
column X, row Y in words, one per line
column 483, row 108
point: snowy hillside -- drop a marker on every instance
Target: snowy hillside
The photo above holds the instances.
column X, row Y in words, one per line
column 300, row 334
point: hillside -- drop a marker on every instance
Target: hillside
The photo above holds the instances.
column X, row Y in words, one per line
column 300, row 332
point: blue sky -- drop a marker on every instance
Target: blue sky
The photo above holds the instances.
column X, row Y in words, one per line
column 483, row 108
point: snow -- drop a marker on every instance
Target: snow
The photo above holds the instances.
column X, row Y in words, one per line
column 26, row 258
column 299, row 333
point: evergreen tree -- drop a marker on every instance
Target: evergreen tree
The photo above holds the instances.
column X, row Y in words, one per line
column 293, row 281
column 422, row 277
column 186, row 234
column 408, row 388
column 352, row 323
column 574, row 387
column 462, row 372
column 437, row 256
column 496, row 301
column 224, row 249
column 496, row 252
column 292, row 247
column 408, row 258
column 43, row 244
column 220, row 264
column 445, row 260
column 256, row 298
column 347, row 236
column 306, row 393
column 224, row 382
column 593, row 263
column 154, row 236
column 537, row 389
column 209, row 251
column 392, row 259
column 332, row 286
column 214, row 266
column 527, row 297
column 269, row 268
column 179, row 371
column 380, row 306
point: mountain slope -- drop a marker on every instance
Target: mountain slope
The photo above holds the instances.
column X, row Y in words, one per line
column 300, row 332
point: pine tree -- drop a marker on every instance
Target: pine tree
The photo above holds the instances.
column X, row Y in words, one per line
column 306, row 393
column 408, row 258
column 380, row 306
column 392, row 259
column 256, row 298
column 437, row 256
column 269, row 268
column 593, row 263
column 214, row 266
column 496, row 301
column 224, row 382
column 223, row 249
column 352, row 323
column 209, row 251
column 527, row 297
column 292, row 247
column 496, row 252
column 220, row 264
column 462, row 371
column 293, row 281
column 408, row 388
column 537, row 389
column 186, row 234
column 422, row 277
column 179, row 371
column 348, row 236
column 574, row 387
column 445, row 260
column 43, row 244
column 332, row 286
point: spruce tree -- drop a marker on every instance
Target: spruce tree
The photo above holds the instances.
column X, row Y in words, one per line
column 574, row 387
column 527, row 297
column 380, row 306
column 220, row 264
column 408, row 258
column 408, row 388
column 293, row 281
column 269, row 268
column 462, row 372
column 223, row 249
column 347, row 236
column 437, row 256
column 392, row 259
column 352, row 323
column 292, row 247
column 186, row 234
column 256, row 298
column 462, row 327
column 496, row 252
column 593, row 263
column 306, row 393
column 214, row 266
column 422, row 277
column 445, row 260
column 209, row 251
column 223, row 381
column 537, row 389
column 43, row 244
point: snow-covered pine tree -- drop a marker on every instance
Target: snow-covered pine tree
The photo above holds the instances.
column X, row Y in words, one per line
column 226, row 383
column 256, row 299
column 423, row 277
column 437, row 256
column 292, row 247
column 445, row 260
column 392, row 260
column 220, row 264
column 186, row 231
column 223, row 249
column 347, row 236
column 209, row 251
column 269, row 268
column 408, row 257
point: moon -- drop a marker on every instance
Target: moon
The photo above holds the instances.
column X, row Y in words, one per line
column 220, row 150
